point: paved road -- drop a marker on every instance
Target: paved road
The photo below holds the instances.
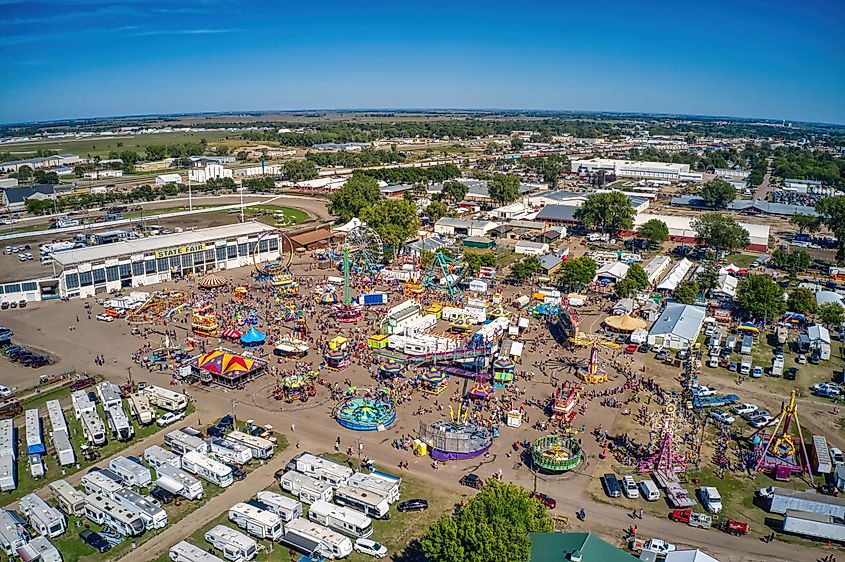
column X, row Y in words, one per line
column 765, row 187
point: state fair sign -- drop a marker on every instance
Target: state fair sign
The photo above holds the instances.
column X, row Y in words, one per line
column 181, row 250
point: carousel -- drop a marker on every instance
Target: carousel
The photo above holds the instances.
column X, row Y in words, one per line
column 555, row 454
column 433, row 381
column 390, row 369
column 503, row 371
column 211, row 281
column 480, row 391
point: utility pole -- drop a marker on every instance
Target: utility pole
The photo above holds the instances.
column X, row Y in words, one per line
column 190, row 199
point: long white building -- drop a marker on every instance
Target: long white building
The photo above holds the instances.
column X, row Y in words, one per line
column 636, row 169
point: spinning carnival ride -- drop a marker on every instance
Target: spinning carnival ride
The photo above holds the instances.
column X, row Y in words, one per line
column 268, row 271
column 592, row 373
column 445, row 274
column 456, row 438
column 556, row 454
column 365, row 414
column 780, row 453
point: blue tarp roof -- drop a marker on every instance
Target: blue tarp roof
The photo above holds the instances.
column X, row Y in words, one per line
column 253, row 336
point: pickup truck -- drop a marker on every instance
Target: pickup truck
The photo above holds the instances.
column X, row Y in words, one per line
column 735, row 528
column 658, row 546
column 691, row 518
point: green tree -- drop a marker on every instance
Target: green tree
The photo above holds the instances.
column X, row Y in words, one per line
column 655, row 231
column 720, row 232
column 454, row 191
column 524, row 269
column 686, row 292
column 802, row 300
column 437, row 210
column 46, row 177
column 793, row 262
column 625, row 288
column 806, row 223
column 708, row 276
column 38, row 206
column 577, row 273
column 24, row 173
column 503, row 188
column 637, row 275
column 300, row 170
column 611, row 210
column 517, row 143
column 718, row 193
column 394, row 220
column 476, row 260
column 831, row 211
column 831, row 314
column 493, row 525
column 357, row 193
column 761, row 297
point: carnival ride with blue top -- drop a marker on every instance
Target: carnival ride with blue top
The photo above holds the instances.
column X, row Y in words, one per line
column 365, row 414
column 445, row 274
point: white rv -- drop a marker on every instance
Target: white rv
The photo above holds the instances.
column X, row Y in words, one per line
column 81, row 403
column 165, row 398
column 181, row 442
column 379, row 483
column 304, row 487
column 234, row 545
column 99, row 484
column 207, row 469
column 322, row 541
column 257, row 522
column 323, row 469
column 93, row 429
column 34, row 443
column 109, row 394
column 104, row 511
column 154, row 517
column 367, row 502
column 177, row 481
column 229, row 451
column 157, row 456
column 121, row 427
column 261, row 448
column 283, row 506
column 132, row 473
column 341, row 519
column 8, row 456
column 184, row 551
column 70, row 500
column 39, row 549
column 139, row 407
column 11, row 536
column 46, row 520
column 60, row 434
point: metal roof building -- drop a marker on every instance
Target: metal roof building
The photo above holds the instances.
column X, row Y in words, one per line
column 678, row 326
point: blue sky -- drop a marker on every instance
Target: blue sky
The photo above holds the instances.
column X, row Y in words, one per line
column 83, row 58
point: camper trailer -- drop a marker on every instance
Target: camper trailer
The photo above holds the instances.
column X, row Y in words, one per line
column 36, row 466
column 181, row 442
column 369, row 503
column 316, row 539
column 70, row 500
column 96, row 482
column 323, row 469
column 109, row 394
column 261, row 448
column 154, row 517
column 286, row 508
column 34, row 443
column 156, row 456
column 819, row 454
column 104, row 511
column 139, row 407
column 8, row 456
column 341, row 519
column 12, row 534
column 177, row 481
column 132, row 473
column 235, row 546
column 46, row 520
column 93, row 429
column 304, row 487
column 121, row 427
column 82, row 403
column 379, row 483
column 184, row 551
column 39, row 549
column 257, row 522
column 59, row 434
column 229, row 451
column 165, row 398
column 207, row 469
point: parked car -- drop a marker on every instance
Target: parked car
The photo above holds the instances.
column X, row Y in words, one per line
column 763, row 421
column 791, row 374
column 704, row 391
column 733, row 366
column 162, row 495
column 471, row 480
column 757, row 372
column 836, row 456
column 631, row 348
column 611, row 485
column 548, row 501
column 801, row 358
column 226, row 421
column 370, row 547
column 6, row 392
column 662, row 355
column 237, row 472
column 105, row 318
column 95, row 541
column 413, row 505
column 643, row 348
column 682, row 354
column 744, row 408
column 170, row 417
column 815, row 358
column 722, row 417
column 756, row 414
column 766, row 492
column 214, row 431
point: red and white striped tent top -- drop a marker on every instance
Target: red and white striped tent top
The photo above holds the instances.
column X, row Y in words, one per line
column 232, row 334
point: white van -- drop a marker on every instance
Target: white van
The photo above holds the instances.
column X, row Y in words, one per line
column 649, row 490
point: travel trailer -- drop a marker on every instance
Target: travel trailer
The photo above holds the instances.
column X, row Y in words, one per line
column 82, row 403
column 93, row 429
column 283, row 506
column 229, row 451
column 184, row 551
column 60, row 434
column 70, row 500
column 12, row 534
column 323, row 469
column 306, row 488
column 341, row 519
column 121, row 427
column 46, row 520
column 104, row 511
column 165, row 398
column 235, row 546
column 315, row 538
column 257, row 522
column 367, row 502
column 156, row 456
column 379, row 483
column 95, row 482
column 177, row 481
column 109, row 394
column 261, row 448
column 154, row 517
column 207, row 469
column 139, row 407
column 8, row 456
column 181, row 442
column 132, row 473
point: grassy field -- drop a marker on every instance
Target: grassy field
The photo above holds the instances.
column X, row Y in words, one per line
column 152, row 213
column 396, row 534
column 31, row 228
column 101, row 146
column 264, row 214
column 741, row 260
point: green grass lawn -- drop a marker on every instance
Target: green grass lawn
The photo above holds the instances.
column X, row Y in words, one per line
column 101, row 146
column 31, row 228
column 396, row 533
column 152, row 213
column 740, row 259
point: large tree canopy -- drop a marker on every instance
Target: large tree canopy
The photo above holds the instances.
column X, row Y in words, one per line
column 654, row 230
column 503, row 188
column 576, row 273
column 831, row 211
column 718, row 193
column 356, row 194
column 611, row 210
column 493, row 525
column 300, row 170
column 720, row 232
column 395, row 220
column 761, row 297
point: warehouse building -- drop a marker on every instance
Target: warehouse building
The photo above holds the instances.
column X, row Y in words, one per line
column 146, row 261
column 636, row 169
column 681, row 230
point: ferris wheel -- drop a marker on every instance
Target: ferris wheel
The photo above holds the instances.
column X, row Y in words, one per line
column 366, row 250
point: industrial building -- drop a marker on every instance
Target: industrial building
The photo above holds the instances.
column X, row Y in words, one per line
column 84, row 272
column 681, row 230
column 636, row 169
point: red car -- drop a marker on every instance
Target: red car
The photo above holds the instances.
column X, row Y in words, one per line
column 548, row 501
column 631, row 349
